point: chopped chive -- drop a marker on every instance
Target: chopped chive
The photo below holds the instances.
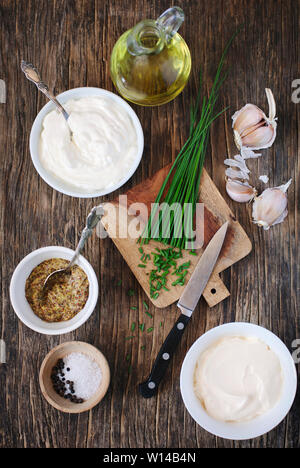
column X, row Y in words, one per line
column 142, row 327
column 149, row 330
column 128, row 357
column 140, row 265
column 160, row 324
column 119, row 283
column 133, row 308
column 143, row 347
column 131, row 292
column 148, row 313
column 141, row 250
column 133, row 326
column 129, row 337
column 146, row 305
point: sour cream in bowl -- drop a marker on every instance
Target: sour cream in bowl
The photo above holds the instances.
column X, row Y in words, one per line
column 99, row 155
column 238, row 381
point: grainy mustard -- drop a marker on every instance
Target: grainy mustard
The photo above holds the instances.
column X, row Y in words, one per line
column 62, row 301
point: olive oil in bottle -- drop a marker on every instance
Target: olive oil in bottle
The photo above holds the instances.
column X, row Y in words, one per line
column 151, row 63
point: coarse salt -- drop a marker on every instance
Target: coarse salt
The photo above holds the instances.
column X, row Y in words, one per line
column 84, row 372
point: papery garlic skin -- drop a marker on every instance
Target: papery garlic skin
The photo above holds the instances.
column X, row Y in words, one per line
column 237, row 168
column 247, row 153
column 240, row 192
column 252, row 128
column 270, row 207
column 264, row 178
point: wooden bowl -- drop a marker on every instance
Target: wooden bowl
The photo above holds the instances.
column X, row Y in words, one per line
column 61, row 351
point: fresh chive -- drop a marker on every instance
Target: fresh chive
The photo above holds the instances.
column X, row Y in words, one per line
column 165, row 263
column 185, row 173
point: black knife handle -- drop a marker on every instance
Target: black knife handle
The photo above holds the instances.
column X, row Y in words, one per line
column 149, row 388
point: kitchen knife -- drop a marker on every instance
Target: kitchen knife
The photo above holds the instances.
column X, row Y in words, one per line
column 187, row 303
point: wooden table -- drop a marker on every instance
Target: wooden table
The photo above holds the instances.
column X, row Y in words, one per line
column 71, row 42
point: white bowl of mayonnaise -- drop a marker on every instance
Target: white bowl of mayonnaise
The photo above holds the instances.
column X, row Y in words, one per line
column 238, row 381
column 100, row 153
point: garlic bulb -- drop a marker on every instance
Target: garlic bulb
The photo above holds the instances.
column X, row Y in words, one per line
column 253, row 130
column 239, row 191
column 270, row 207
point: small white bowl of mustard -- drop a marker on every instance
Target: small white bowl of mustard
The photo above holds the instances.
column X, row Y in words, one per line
column 21, row 304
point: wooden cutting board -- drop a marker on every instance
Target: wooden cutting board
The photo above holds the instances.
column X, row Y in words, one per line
column 236, row 246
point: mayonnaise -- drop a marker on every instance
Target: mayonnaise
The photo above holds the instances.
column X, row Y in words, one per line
column 102, row 149
column 237, row 379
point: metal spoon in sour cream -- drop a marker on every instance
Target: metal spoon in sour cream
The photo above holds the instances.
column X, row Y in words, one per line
column 103, row 147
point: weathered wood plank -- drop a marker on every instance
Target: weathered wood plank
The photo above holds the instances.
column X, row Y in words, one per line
column 70, row 41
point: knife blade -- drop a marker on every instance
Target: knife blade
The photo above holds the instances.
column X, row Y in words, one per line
column 187, row 304
column 199, row 279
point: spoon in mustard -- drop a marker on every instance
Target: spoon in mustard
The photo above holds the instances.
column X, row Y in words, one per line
column 33, row 75
column 59, row 276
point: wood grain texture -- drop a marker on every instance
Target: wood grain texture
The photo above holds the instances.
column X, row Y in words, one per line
column 125, row 213
column 70, row 42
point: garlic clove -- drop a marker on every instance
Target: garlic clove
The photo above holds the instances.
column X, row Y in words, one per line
column 239, row 191
column 246, row 117
column 270, row 207
column 260, row 137
column 252, row 128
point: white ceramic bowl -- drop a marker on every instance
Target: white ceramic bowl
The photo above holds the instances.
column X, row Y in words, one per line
column 23, row 309
column 259, row 425
column 36, row 130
